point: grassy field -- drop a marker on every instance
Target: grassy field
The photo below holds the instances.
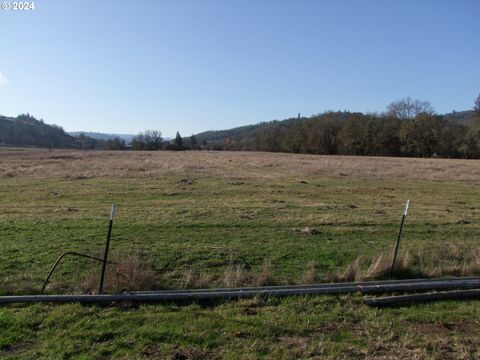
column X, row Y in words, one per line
column 208, row 219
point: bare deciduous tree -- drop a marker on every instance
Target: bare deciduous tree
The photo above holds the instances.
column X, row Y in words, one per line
column 150, row 140
column 477, row 104
column 407, row 108
column 153, row 139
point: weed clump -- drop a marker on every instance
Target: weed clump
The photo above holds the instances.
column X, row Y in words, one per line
column 125, row 273
column 311, row 275
column 452, row 260
column 236, row 276
column 195, row 280
column 266, row 276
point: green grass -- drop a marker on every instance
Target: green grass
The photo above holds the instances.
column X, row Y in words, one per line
column 335, row 327
column 203, row 220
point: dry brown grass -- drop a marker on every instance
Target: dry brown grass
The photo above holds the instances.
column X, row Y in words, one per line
column 451, row 260
column 128, row 272
column 311, row 275
column 196, row 280
column 266, row 276
column 236, row 276
column 76, row 164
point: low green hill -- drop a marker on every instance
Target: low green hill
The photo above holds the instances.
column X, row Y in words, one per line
column 25, row 130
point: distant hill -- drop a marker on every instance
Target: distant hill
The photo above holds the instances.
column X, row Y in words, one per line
column 103, row 136
column 461, row 117
column 25, row 130
column 247, row 134
column 243, row 132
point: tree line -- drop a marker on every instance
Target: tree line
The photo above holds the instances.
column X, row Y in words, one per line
column 408, row 128
column 152, row 140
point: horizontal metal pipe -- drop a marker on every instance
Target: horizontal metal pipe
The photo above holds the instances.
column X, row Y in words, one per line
column 416, row 298
column 324, row 285
column 173, row 296
column 233, row 293
column 420, row 286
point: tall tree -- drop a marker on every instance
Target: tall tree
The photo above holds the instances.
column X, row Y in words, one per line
column 472, row 138
column 421, row 136
column 153, row 139
column 179, row 141
column 138, row 142
column 408, row 109
column 355, row 137
column 194, row 143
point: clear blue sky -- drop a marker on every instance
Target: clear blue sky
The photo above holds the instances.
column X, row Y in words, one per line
column 127, row 66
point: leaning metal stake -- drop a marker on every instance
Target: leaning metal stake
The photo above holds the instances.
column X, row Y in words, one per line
column 405, row 212
column 58, row 261
column 104, row 264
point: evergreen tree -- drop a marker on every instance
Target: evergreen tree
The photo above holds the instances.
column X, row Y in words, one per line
column 179, row 141
column 194, row 143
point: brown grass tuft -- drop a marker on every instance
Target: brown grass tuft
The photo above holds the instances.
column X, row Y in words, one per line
column 126, row 273
column 311, row 274
column 195, row 280
column 352, row 273
column 266, row 276
column 236, row 276
column 451, row 260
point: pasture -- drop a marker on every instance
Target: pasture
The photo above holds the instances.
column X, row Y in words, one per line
column 209, row 219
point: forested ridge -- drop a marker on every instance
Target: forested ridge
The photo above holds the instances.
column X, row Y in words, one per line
column 25, row 130
column 407, row 128
column 347, row 133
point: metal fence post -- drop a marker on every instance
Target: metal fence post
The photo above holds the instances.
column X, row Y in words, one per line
column 405, row 212
column 105, row 255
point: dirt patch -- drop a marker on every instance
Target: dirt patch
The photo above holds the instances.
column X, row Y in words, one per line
column 15, row 350
column 307, row 231
column 187, row 353
column 294, row 341
column 185, row 181
column 192, row 354
column 444, row 328
column 327, row 328
column 67, row 209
